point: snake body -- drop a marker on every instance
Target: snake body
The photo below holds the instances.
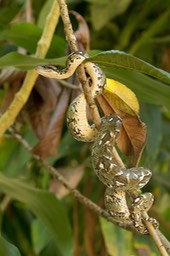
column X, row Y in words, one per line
column 118, row 181
column 76, row 116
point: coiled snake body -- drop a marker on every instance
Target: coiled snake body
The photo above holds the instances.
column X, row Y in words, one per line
column 118, row 181
column 76, row 115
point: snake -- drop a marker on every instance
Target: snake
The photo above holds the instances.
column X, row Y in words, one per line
column 118, row 181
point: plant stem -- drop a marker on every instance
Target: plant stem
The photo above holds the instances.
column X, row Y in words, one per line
column 21, row 97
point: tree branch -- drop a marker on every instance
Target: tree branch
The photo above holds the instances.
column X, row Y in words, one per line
column 72, row 41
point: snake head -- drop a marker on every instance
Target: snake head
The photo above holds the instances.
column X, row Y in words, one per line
column 112, row 123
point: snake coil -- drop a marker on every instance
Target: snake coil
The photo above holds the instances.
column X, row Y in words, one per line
column 118, row 181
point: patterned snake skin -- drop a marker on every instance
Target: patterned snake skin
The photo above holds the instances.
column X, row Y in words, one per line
column 118, row 181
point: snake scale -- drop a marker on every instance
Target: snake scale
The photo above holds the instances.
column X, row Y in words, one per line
column 118, row 181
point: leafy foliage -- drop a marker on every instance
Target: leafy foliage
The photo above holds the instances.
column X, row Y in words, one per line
column 33, row 220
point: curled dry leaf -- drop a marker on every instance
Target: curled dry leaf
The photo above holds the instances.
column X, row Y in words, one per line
column 48, row 145
column 132, row 139
column 72, row 175
column 122, row 101
column 41, row 103
column 82, row 33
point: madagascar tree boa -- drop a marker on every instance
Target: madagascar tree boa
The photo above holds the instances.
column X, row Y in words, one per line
column 117, row 180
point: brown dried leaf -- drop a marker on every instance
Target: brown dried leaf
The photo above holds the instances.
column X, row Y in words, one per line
column 132, row 137
column 48, row 145
column 82, row 33
column 72, row 175
column 41, row 103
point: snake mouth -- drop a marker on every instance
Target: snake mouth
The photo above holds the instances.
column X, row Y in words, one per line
column 45, row 68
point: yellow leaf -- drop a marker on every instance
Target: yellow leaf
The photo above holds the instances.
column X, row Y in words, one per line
column 121, row 97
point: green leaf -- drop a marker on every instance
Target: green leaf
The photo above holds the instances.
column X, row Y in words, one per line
column 45, row 206
column 27, row 36
column 117, row 240
column 27, row 62
column 10, row 162
column 43, row 245
column 39, row 242
column 151, row 115
column 122, row 60
column 8, row 249
column 67, row 145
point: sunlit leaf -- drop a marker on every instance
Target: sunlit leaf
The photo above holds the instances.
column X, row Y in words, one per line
column 120, row 96
column 147, row 89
